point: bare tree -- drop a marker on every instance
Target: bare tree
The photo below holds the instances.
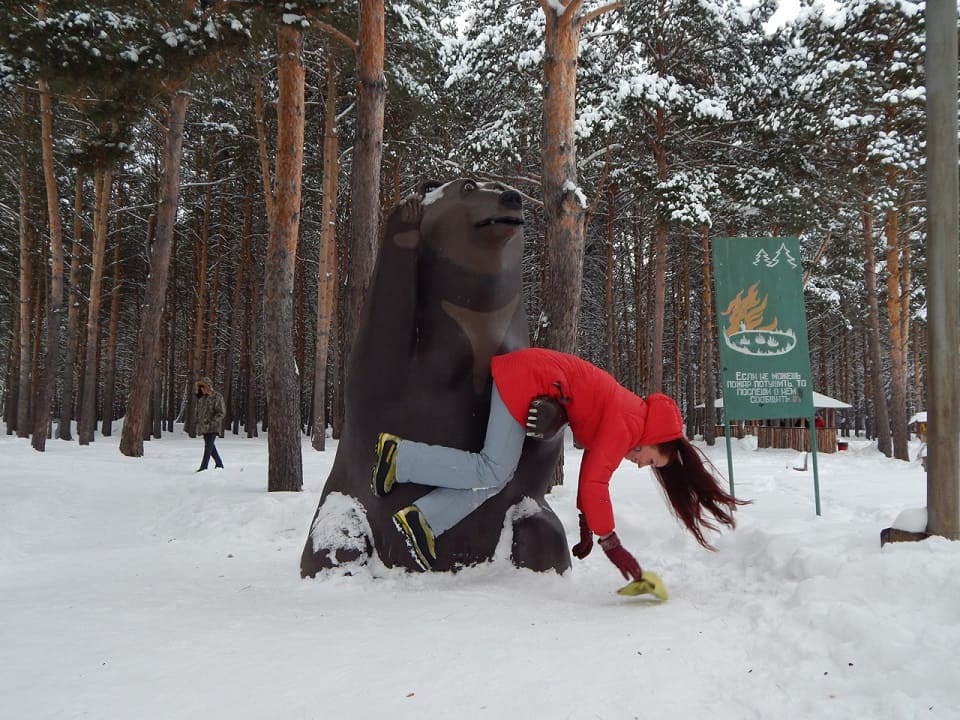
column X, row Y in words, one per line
column 564, row 205
column 73, row 315
column 327, row 265
column 26, row 278
column 365, row 174
column 285, row 465
column 48, row 373
column 148, row 340
column 874, row 362
column 102, row 184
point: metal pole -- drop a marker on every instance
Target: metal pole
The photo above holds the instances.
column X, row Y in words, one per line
column 726, row 433
column 816, row 473
column 943, row 287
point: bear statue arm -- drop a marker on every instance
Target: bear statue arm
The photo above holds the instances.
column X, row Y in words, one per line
column 388, row 331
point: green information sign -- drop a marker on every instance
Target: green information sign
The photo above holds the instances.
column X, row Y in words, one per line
column 762, row 329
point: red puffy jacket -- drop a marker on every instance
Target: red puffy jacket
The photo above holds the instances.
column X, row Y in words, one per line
column 606, row 419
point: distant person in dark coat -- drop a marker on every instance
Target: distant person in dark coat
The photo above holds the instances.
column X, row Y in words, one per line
column 211, row 411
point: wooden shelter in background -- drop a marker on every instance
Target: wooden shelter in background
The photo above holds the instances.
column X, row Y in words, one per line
column 793, row 433
column 918, row 425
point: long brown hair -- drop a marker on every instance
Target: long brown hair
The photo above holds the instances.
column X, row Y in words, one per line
column 692, row 485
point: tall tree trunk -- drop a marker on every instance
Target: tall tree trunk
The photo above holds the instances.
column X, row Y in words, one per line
column 285, row 464
column 103, row 181
column 145, row 359
column 639, row 321
column 707, row 340
column 230, row 393
column 26, row 277
column 365, row 175
column 39, row 313
column 50, row 368
column 12, row 371
column 608, row 285
column 682, row 336
column 659, row 262
column 109, row 378
column 563, row 202
column 210, row 341
column 262, row 153
column 299, row 338
column 201, row 256
column 250, row 344
column 172, row 314
column 896, row 327
column 73, row 316
column 327, row 264
column 882, row 422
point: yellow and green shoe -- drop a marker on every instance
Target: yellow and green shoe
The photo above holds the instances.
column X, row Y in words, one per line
column 385, row 470
column 418, row 535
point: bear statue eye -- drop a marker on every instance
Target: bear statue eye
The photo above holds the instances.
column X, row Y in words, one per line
column 469, row 185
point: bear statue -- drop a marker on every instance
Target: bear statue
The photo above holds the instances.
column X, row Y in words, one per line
column 445, row 296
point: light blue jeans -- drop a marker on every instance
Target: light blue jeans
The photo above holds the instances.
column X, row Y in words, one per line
column 464, row 480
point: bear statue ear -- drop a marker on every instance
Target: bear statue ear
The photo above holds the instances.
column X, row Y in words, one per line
column 426, row 186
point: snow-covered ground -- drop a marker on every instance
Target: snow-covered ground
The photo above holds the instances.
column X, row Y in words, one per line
column 136, row 588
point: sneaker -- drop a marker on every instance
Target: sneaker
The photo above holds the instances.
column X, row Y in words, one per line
column 385, row 471
column 418, row 534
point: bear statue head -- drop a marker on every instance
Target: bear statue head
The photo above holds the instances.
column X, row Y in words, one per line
column 474, row 225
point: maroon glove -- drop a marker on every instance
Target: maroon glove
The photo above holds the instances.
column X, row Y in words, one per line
column 625, row 562
column 583, row 548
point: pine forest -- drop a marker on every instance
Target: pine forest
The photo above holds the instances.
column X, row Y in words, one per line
column 195, row 188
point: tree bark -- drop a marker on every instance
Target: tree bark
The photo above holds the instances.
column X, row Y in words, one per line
column 640, row 329
column 172, row 314
column 655, row 383
column 48, row 377
column 236, row 321
column 210, row 335
column 12, row 370
column 897, row 328
column 109, row 389
column 707, row 342
column 262, row 154
column 365, row 175
column 103, row 181
column 145, row 360
column 250, row 344
column 201, row 255
column 26, row 279
column 285, row 464
column 608, row 285
column 882, row 422
column 564, row 205
column 64, row 431
column 327, row 264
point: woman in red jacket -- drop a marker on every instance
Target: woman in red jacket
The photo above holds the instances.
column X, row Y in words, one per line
column 606, row 419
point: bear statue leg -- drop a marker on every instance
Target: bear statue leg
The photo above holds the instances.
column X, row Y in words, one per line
column 540, row 543
column 339, row 535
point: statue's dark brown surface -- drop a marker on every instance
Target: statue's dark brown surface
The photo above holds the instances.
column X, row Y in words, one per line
column 445, row 297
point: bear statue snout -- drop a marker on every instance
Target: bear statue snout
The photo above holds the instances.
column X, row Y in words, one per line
column 512, row 199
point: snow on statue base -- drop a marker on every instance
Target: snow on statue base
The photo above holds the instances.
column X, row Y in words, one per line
column 445, row 297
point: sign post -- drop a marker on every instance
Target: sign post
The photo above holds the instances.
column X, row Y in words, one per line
column 762, row 332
